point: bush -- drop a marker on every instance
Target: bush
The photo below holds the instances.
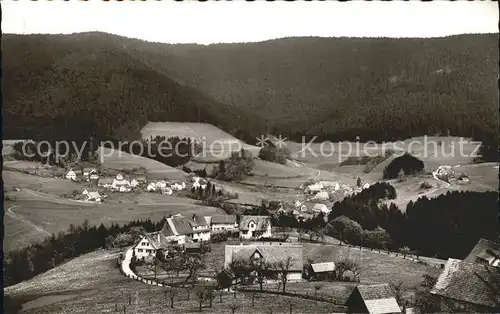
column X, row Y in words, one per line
column 237, row 167
column 406, row 163
column 425, row 185
column 274, row 154
column 345, row 229
column 377, row 239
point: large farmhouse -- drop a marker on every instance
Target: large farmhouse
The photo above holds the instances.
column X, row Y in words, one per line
column 485, row 252
column 273, row 254
column 182, row 229
column 468, row 287
column 121, row 184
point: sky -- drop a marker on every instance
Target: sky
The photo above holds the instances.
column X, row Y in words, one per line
column 239, row 21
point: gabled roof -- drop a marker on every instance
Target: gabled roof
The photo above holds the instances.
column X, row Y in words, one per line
column 106, row 180
column 469, row 282
column 320, row 207
column 261, row 222
column 485, row 250
column 378, row 299
column 177, row 226
column 271, row 253
column 155, row 241
column 322, row 195
column 94, row 195
column 198, row 221
column 223, row 219
column 323, row 267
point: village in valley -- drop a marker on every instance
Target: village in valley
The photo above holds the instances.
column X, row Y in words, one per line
column 274, row 247
column 155, row 171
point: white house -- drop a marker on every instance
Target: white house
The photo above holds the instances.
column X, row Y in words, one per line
column 323, row 195
column 199, row 183
column 134, row 183
column 92, row 196
column 366, row 185
column 181, row 230
column 178, row 186
column 151, row 187
column 272, row 253
column 321, row 208
column 93, row 174
column 124, row 188
column 255, row 227
column 201, row 229
column 167, row 191
column 71, row 175
column 223, row 222
column 161, row 184
column 330, row 184
column 121, row 184
column 149, row 245
column 314, row 188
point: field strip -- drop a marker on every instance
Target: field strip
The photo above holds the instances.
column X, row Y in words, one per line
column 52, row 198
column 16, row 216
column 198, row 138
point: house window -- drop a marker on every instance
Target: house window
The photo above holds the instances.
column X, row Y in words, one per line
column 139, row 250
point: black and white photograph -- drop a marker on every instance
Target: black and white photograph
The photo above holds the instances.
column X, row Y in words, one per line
column 277, row 157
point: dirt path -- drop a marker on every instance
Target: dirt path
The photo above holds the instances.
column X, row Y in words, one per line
column 10, row 212
column 317, row 174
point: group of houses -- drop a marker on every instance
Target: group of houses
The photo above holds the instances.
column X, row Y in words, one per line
column 122, row 184
column 448, row 174
column 118, row 183
column 85, row 175
column 181, row 230
column 167, row 188
column 164, row 187
column 331, row 190
column 301, row 207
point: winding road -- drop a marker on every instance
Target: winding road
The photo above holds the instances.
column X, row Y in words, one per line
column 10, row 212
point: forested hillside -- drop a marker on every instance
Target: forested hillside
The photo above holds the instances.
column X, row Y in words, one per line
column 54, row 82
column 336, row 88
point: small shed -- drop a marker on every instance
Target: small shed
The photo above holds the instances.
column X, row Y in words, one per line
column 322, row 271
column 151, row 187
column 323, row 195
column 71, row 175
column 373, row 299
column 93, row 174
column 321, row 208
column 134, row 183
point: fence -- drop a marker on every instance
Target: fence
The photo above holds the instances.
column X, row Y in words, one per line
column 316, row 297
